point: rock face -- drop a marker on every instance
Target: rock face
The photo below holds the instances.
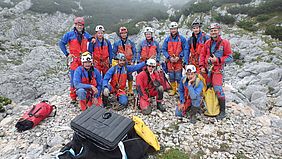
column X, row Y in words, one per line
column 33, row 68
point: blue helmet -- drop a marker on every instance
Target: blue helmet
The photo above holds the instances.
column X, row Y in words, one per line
column 120, row 56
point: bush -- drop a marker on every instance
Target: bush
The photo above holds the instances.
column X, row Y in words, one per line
column 266, row 7
column 263, row 17
column 239, row 10
column 219, row 3
column 201, row 7
column 226, row 19
column 173, row 154
column 247, row 25
column 274, row 32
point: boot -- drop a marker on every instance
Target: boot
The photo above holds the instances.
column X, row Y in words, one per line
column 160, row 107
column 130, row 91
column 105, row 100
column 173, row 91
column 222, row 109
column 147, row 111
column 193, row 113
column 73, row 102
column 82, row 104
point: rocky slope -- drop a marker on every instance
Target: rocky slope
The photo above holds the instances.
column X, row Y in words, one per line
column 33, row 68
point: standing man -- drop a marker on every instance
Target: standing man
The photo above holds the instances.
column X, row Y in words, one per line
column 215, row 54
column 77, row 40
column 101, row 51
column 190, row 89
column 88, row 82
column 195, row 44
column 173, row 50
column 118, row 76
column 148, row 47
column 149, row 84
column 127, row 47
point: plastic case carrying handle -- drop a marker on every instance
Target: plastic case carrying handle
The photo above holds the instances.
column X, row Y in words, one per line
column 107, row 115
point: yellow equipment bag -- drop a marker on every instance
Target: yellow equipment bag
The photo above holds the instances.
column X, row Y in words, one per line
column 145, row 133
column 114, row 62
column 211, row 103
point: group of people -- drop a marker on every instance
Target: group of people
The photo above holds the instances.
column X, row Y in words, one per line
column 97, row 69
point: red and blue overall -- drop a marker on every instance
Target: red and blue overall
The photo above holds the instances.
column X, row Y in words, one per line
column 77, row 44
column 148, row 49
column 174, row 47
column 118, row 77
column 221, row 49
column 83, row 82
column 193, row 48
column 149, row 85
column 101, row 54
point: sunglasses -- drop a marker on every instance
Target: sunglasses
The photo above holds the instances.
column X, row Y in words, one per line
column 151, row 66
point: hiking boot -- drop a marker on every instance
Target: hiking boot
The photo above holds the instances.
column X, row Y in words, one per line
column 222, row 109
column 118, row 107
column 147, row 111
column 74, row 102
column 160, row 107
column 193, row 113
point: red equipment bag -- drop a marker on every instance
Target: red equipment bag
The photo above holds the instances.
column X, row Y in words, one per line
column 35, row 115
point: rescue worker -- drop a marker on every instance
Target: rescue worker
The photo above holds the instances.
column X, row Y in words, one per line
column 149, row 84
column 173, row 50
column 127, row 47
column 101, row 51
column 88, row 83
column 149, row 48
column 215, row 54
column 118, row 75
column 77, row 40
column 190, row 89
column 195, row 44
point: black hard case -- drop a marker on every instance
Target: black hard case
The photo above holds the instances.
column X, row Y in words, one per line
column 104, row 128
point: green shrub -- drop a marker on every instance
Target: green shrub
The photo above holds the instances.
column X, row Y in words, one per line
column 263, row 18
column 247, row 25
column 239, row 10
column 274, row 31
column 266, row 7
column 226, row 19
column 173, row 154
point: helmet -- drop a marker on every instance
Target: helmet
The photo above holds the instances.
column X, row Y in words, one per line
column 192, row 68
column 99, row 27
column 122, row 30
column 214, row 26
column 120, row 56
column 86, row 57
column 151, row 62
column 148, row 29
column 173, row 25
column 79, row 20
column 196, row 22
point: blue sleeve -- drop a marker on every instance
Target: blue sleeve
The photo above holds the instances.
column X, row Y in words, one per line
column 77, row 80
column 108, row 76
column 164, row 49
column 110, row 49
column 139, row 52
column 195, row 92
column 183, row 43
column 158, row 52
column 187, row 52
column 132, row 68
column 63, row 42
column 88, row 36
column 99, row 82
column 134, row 52
column 181, row 92
column 115, row 49
column 91, row 47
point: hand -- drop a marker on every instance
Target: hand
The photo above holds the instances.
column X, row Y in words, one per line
column 181, row 107
column 176, row 59
column 93, row 40
column 71, row 55
column 94, row 89
column 191, row 81
column 213, row 59
column 106, row 92
column 203, row 70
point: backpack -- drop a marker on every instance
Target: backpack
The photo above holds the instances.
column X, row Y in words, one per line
column 35, row 115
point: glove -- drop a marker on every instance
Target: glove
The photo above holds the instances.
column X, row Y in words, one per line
column 106, row 92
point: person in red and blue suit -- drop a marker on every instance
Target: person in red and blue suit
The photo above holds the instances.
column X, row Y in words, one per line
column 77, row 39
column 118, row 76
column 88, row 83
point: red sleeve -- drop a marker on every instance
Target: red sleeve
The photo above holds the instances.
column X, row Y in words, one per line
column 203, row 55
column 227, row 52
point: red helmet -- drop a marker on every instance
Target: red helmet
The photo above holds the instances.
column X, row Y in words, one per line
column 214, row 26
column 79, row 20
column 122, row 30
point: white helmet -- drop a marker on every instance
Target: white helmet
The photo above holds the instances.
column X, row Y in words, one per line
column 192, row 68
column 148, row 29
column 173, row 25
column 151, row 62
column 99, row 27
column 86, row 57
